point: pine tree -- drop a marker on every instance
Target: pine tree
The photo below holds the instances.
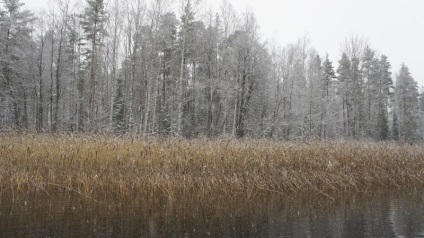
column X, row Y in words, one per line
column 328, row 76
column 370, row 77
column 326, row 85
column 344, row 78
column 385, row 83
column 92, row 22
column 357, row 97
column 167, row 41
column 186, row 39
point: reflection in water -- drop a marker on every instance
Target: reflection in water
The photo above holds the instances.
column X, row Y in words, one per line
column 390, row 214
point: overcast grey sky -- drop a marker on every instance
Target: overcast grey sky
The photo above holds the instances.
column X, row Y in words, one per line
column 393, row 27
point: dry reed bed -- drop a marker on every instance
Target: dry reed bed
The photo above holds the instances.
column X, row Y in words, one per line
column 100, row 167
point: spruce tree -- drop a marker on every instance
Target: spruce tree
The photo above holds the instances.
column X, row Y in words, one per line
column 407, row 103
column 383, row 126
column 15, row 58
column 421, row 112
column 395, row 128
column 118, row 117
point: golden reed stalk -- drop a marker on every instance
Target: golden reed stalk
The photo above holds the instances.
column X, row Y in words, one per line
column 101, row 167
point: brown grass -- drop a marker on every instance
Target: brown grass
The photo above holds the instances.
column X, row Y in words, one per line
column 105, row 167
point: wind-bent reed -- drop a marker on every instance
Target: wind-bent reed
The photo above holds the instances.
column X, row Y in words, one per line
column 104, row 166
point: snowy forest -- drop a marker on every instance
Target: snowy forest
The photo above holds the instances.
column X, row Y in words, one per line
column 142, row 68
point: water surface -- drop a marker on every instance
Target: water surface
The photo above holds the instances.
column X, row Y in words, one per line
column 398, row 213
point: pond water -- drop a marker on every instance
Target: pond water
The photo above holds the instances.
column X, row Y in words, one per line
column 398, row 213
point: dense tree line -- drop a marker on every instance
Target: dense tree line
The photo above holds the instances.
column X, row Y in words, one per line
column 140, row 68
